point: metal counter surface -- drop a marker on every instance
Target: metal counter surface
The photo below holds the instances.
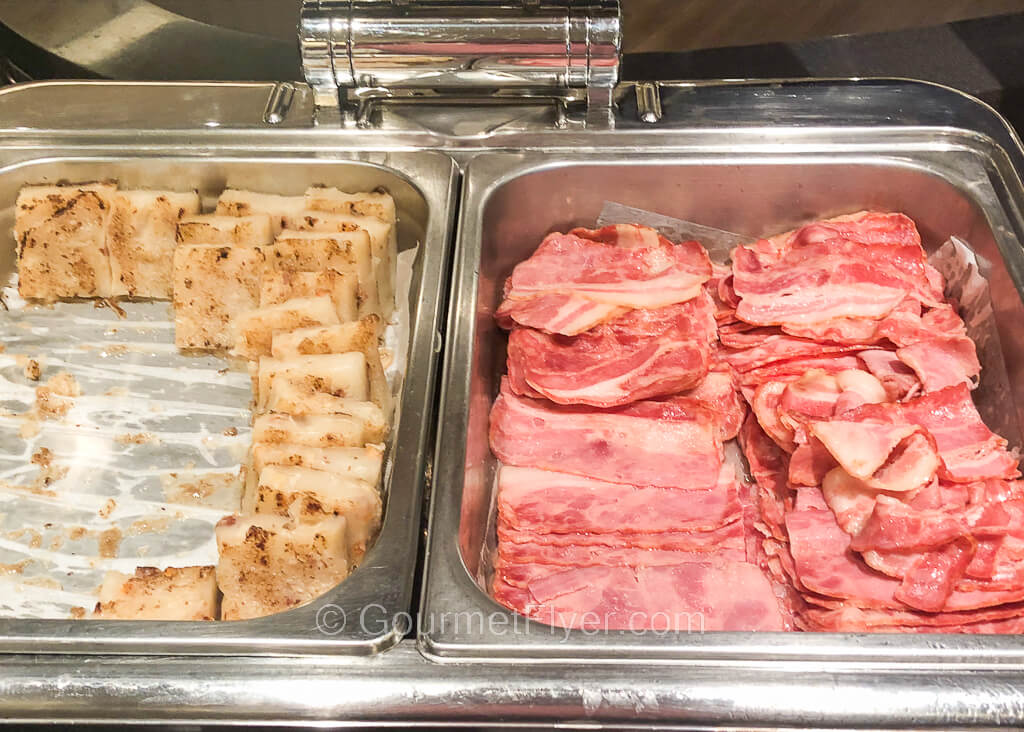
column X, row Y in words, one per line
column 401, row 689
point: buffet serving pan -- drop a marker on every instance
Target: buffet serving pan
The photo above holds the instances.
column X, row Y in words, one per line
column 369, row 611
column 949, row 184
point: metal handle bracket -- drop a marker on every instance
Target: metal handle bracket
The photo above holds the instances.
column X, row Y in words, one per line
column 358, row 53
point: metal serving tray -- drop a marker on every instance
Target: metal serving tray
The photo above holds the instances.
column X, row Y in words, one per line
column 947, row 183
column 369, row 611
column 741, row 681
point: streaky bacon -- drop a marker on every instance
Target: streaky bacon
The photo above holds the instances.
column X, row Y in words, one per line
column 671, row 443
column 769, row 466
column 568, row 314
column 521, row 574
column 930, row 580
column 692, row 596
column 683, row 540
column 544, row 501
column 578, row 269
column 823, row 272
column 718, row 392
column 942, row 362
column 639, row 355
column 970, row 451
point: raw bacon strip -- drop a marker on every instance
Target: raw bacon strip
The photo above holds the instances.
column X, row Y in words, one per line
column 637, row 277
column 969, row 450
column 895, row 526
column 556, row 313
column 869, row 227
column 899, row 380
column 694, row 596
column 942, row 362
column 772, row 347
column 819, row 282
column 908, row 325
column 639, row 355
column 825, row 565
column 892, row 456
column 849, row 499
column 797, row 367
column 853, row 619
column 672, row 443
column 686, row 541
column 717, row 391
column 527, row 553
column 539, row 500
column 930, row 580
column 768, row 466
column 521, row 574
column 831, row 270
column 810, row 464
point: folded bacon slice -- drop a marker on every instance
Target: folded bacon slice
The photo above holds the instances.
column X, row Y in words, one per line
column 970, row 451
column 861, row 266
column 672, row 443
column 639, row 355
column 576, row 281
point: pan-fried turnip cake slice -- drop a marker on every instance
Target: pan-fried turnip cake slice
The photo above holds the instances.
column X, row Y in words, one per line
column 362, row 336
column 342, row 429
column 256, row 328
column 382, row 245
column 361, row 463
column 234, row 202
column 318, row 251
column 61, row 235
column 213, row 286
column 245, row 231
column 175, row 593
column 141, row 238
column 277, row 286
column 271, row 563
column 358, row 501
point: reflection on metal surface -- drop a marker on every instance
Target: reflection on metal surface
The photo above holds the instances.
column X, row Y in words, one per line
column 375, row 50
column 648, row 101
column 136, row 39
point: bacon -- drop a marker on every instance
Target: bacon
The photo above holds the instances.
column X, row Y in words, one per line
column 970, row 451
column 929, row 581
column 898, row 379
column 564, row 313
column 670, row 443
column 579, row 268
column 639, row 355
column 891, row 456
column 522, row 574
column 718, row 392
column 825, row 565
column 692, row 596
column 545, row 501
column 942, row 362
column 858, row 266
column 853, row 619
column 683, row 540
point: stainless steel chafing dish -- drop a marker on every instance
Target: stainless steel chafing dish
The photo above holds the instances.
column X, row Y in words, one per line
column 522, row 98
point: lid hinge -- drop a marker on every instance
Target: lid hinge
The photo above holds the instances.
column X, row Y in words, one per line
column 359, row 54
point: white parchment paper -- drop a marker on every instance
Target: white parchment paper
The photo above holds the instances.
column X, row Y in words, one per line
column 144, row 462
